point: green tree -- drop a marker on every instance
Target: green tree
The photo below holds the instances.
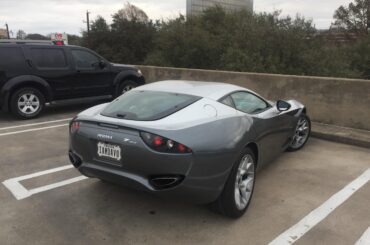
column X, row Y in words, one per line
column 132, row 34
column 354, row 17
column 237, row 41
column 243, row 41
column 74, row 40
column 100, row 38
column 360, row 57
column 127, row 40
column 36, row 36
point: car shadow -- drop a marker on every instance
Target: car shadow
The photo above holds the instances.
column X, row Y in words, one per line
column 118, row 212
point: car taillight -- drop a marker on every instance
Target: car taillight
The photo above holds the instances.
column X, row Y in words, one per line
column 162, row 144
column 75, row 126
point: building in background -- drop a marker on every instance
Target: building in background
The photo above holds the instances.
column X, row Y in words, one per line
column 3, row 33
column 194, row 7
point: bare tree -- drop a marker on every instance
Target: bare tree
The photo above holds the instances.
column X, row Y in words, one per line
column 132, row 13
column 21, row 34
column 354, row 17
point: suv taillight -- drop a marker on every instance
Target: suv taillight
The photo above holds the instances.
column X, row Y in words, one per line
column 162, row 144
column 74, row 127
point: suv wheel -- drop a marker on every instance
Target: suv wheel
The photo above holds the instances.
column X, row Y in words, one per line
column 126, row 86
column 237, row 194
column 27, row 103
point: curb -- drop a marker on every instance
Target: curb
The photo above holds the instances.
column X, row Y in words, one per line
column 350, row 136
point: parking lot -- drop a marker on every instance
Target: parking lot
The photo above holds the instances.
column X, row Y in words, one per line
column 319, row 195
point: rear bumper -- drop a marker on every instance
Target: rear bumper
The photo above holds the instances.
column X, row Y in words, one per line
column 196, row 177
column 201, row 185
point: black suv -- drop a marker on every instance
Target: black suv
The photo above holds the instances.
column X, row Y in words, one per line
column 35, row 73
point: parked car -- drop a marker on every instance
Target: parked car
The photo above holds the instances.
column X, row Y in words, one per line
column 198, row 141
column 33, row 73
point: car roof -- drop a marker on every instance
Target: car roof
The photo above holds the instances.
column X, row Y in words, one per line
column 211, row 90
column 36, row 44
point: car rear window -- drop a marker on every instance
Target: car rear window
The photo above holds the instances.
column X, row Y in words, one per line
column 147, row 105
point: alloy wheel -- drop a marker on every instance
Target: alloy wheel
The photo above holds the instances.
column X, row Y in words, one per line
column 301, row 133
column 28, row 103
column 127, row 88
column 244, row 182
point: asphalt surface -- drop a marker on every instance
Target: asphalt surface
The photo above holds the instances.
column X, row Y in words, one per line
column 89, row 211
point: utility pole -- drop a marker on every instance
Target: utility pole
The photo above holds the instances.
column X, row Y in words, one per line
column 88, row 22
column 368, row 16
column 88, row 27
column 7, row 30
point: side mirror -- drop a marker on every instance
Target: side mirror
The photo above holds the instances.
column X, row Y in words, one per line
column 283, row 106
column 102, row 64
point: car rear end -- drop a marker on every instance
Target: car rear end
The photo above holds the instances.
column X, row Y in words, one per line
column 104, row 145
column 120, row 154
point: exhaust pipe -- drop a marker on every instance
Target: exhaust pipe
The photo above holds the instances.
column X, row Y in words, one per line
column 74, row 159
column 164, row 182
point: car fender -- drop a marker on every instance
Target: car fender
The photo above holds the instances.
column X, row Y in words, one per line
column 297, row 107
column 25, row 80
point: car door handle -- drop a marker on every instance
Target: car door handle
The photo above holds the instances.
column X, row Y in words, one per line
column 29, row 62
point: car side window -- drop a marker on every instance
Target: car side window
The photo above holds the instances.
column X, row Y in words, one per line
column 249, row 103
column 84, row 59
column 228, row 101
column 49, row 57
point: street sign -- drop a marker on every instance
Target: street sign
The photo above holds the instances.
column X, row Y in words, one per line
column 59, row 38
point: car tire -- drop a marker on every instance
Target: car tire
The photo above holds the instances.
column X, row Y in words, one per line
column 126, row 86
column 302, row 133
column 27, row 103
column 227, row 203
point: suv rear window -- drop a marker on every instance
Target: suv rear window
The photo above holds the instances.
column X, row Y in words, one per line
column 11, row 58
column 147, row 105
column 49, row 57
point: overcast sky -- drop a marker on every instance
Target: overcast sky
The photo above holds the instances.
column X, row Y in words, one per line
column 46, row 16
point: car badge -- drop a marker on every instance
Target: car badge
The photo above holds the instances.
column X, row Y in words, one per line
column 104, row 136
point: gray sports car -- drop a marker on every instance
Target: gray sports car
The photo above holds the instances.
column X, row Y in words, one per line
column 199, row 141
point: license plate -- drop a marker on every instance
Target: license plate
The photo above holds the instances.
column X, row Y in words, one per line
column 109, row 151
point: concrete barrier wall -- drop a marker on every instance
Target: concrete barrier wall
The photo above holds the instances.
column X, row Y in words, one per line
column 342, row 102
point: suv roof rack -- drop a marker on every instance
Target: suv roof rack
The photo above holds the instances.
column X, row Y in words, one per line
column 19, row 41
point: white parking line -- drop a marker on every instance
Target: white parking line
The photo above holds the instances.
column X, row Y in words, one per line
column 365, row 238
column 36, row 124
column 20, row 192
column 316, row 216
column 33, row 129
